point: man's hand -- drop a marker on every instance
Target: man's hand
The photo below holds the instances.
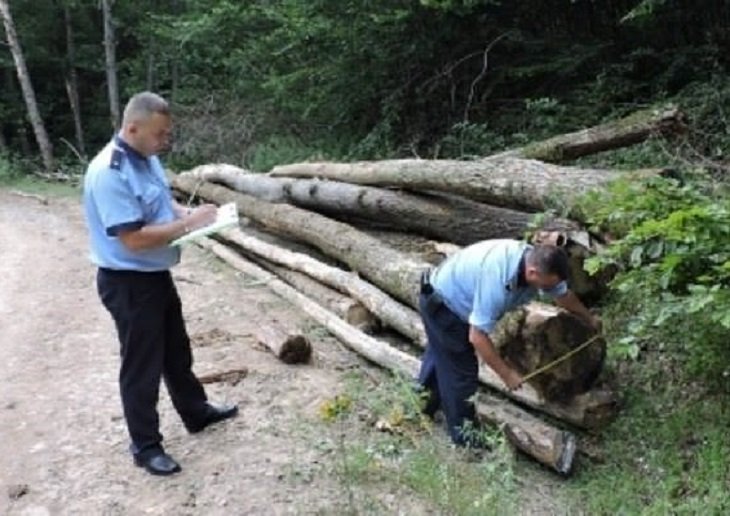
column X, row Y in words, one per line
column 512, row 379
column 201, row 216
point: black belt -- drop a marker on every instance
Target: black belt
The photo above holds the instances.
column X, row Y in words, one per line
column 426, row 287
column 129, row 272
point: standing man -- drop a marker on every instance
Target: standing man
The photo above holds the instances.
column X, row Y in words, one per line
column 461, row 302
column 131, row 218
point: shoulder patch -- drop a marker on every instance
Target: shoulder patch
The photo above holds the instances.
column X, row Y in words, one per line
column 116, row 161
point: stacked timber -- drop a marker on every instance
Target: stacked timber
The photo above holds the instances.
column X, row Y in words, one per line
column 348, row 242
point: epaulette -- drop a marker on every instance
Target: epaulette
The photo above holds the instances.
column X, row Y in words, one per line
column 116, row 161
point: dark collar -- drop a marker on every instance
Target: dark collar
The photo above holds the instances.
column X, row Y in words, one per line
column 128, row 149
column 521, row 280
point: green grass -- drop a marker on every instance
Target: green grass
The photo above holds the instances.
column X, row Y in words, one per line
column 413, row 459
column 668, row 452
column 36, row 186
column 17, row 174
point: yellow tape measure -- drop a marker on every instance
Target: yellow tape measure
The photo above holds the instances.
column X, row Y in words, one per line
column 560, row 359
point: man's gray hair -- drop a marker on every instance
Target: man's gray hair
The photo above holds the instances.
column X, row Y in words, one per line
column 143, row 105
column 550, row 259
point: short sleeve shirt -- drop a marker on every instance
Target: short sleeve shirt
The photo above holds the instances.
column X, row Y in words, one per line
column 123, row 190
column 481, row 283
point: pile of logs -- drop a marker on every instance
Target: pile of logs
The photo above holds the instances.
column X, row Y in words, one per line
column 347, row 243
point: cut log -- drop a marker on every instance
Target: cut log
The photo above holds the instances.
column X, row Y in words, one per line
column 387, row 268
column 436, row 216
column 285, row 341
column 511, row 182
column 231, row 376
column 535, row 335
column 590, row 410
column 384, row 266
column 345, row 307
column 548, row 445
column 392, row 313
column 633, row 129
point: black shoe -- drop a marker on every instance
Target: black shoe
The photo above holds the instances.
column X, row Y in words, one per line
column 158, row 464
column 213, row 414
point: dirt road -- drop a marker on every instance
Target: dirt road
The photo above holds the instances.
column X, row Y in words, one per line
column 63, row 443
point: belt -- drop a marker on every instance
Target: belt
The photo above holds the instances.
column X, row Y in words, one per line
column 426, row 287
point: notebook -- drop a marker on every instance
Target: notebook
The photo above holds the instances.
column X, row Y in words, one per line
column 226, row 217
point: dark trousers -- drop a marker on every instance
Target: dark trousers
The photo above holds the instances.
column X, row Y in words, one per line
column 449, row 368
column 147, row 312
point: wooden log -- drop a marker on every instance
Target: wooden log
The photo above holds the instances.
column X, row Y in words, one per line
column 401, row 318
column 285, row 341
column 441, row 217
column 230, row 376
column 548, row 445
column 533, row 336
column 348, row 309
column 630, row 130
column 384, row 266
column 511, row 182
column 590, row 410
column 389, row 269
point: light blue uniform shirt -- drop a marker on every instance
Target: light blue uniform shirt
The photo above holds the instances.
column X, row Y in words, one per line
column 480, row 282
column 123, row 190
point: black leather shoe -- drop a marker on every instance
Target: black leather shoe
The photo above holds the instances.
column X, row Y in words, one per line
column 160, row 464
column 213, row 414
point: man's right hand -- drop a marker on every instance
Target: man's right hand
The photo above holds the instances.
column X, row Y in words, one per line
column 202, row 216
column 512, row 379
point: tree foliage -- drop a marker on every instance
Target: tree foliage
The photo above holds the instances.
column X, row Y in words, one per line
column 365, row 79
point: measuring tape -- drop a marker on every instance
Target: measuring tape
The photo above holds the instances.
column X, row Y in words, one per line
column 560, row 359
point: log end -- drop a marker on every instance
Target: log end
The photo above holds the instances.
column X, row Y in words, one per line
column 535, row 336
column 295, row 350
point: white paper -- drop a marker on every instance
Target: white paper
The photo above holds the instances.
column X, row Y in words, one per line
column 226, row 217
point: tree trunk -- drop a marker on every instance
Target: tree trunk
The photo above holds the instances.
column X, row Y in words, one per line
column 111, row 63
column 346, row 308
column 437, row 216
column 512, row 182
column 533, row 336
column 548, row 445
column 285, row 341
column 34, row 115
column 393, row 314
column 624, row 132
column 384, row 266
column 3, row 141
column 72, row 81
column 589, row 410
column 151, row 76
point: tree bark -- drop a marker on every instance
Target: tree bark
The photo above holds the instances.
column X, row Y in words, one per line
column 384, row 266
column 72, row 81
column 111, row 63
column 548, row 445
column 633, row 129
column 34, row 115
column 510, row 182
column 590, row 410
column 440, row 217
column 285, row 341
column 401, row 318
column 346, row 308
